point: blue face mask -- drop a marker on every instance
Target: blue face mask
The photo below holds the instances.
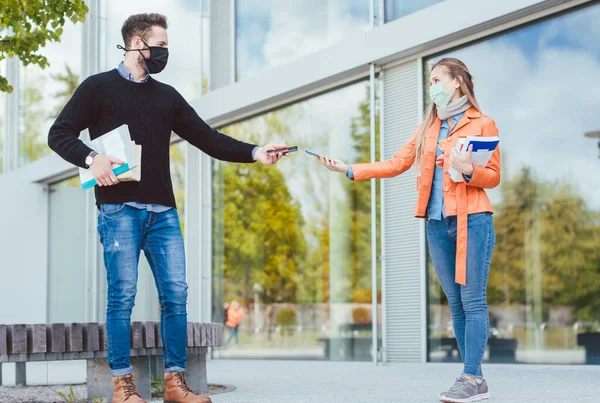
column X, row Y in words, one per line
column 439, row 95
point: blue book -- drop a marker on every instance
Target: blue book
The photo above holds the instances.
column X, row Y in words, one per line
column 478, row 143
column 483, row 149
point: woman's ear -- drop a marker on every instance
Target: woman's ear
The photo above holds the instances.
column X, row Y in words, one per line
column 458, row 81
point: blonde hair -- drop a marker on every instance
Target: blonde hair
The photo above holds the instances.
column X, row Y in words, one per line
column 456, row 70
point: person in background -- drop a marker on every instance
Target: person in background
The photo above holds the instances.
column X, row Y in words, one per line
column 234, row 315
column 460, row 230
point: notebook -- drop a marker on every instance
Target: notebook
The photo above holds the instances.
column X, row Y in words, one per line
column 483, row 149
column 116, row 143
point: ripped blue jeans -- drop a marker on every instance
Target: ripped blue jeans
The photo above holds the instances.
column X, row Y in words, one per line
column 124, row 232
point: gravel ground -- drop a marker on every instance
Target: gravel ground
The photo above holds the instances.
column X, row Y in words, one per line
column 50, row 394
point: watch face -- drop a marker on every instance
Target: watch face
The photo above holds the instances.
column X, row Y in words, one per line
column 88, row 160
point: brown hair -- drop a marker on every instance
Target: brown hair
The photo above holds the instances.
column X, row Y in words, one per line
column 457, row 70
column 140, row 25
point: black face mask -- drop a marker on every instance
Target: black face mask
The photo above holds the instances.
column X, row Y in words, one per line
column 157, row 62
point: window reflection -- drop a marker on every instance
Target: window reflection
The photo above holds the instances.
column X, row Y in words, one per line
column 270, row 33
column 545, row 273
column 44, row 92
column 292, row 243
column 395, row 9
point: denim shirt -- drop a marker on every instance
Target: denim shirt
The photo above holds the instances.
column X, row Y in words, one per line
column 435, row 208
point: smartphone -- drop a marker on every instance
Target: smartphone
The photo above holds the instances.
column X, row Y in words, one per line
column 313, row 154
column 288, row 150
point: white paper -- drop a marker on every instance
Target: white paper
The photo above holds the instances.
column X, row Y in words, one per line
column 116, row 143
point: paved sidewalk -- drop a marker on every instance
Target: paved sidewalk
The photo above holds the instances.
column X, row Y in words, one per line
column 344, row 382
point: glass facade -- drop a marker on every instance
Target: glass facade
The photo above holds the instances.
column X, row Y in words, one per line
column 292, row 243
column 395, row 9
column 188, row 32
column 545, row 275
column 269, row 33
column 44, row 92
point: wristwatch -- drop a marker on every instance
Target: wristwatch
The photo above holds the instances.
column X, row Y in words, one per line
column 89, row 160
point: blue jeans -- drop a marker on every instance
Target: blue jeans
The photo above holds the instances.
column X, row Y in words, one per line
column 467, row 303
column 124, row 232
column 234, row 332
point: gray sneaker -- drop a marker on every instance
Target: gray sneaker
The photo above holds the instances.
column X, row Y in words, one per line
column 482, row 389
column 464, row 391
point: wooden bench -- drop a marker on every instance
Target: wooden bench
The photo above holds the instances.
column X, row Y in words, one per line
column 87, row 341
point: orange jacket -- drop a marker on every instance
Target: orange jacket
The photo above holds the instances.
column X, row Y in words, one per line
column 234, row 316
column 461, row 198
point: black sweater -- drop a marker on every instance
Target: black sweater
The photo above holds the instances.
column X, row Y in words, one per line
column 152, row 110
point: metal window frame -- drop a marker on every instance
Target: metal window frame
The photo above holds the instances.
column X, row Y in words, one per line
column 373, row 151
column 422, row 234
column 233, row 44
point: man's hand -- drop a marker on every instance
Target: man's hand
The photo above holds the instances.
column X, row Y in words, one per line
column 261, row 153
column 102, row 170
column 462, row 163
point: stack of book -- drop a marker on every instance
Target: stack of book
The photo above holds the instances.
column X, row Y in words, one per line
column 118, row 144
column 483, row 148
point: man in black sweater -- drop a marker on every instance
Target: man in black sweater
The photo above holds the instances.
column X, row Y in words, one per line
column 137, row 216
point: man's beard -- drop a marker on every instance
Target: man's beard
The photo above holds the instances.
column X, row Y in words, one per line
column 140, row 62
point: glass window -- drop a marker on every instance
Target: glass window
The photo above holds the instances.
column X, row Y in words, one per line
column 270, row 33
column 188, row 29
column 292, row 243
column 44, row 92
column 395, row 9
column 544, row 279
column 178, row 166
column 66, row 252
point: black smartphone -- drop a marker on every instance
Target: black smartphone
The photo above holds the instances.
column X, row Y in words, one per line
column 288, row 150
column 313, row 154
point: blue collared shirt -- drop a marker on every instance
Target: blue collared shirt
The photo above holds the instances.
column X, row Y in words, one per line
column 435, row 208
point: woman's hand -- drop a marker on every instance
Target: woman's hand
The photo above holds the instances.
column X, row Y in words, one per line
column 462, row 163
column 334, row 165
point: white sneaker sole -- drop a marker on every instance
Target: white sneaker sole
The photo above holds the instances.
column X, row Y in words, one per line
column 481, row 396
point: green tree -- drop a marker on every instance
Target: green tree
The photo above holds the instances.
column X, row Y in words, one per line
column 360, row 130
column 178, row 178
column 32, row 116
column 262, row 233
column 548, row 248
column 69, row 81
column 27, row 25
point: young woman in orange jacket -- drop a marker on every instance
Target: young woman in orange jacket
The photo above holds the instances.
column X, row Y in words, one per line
column 460, row 231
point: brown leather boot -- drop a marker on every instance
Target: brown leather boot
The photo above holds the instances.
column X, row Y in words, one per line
column 124, row 390
column 177, row 391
